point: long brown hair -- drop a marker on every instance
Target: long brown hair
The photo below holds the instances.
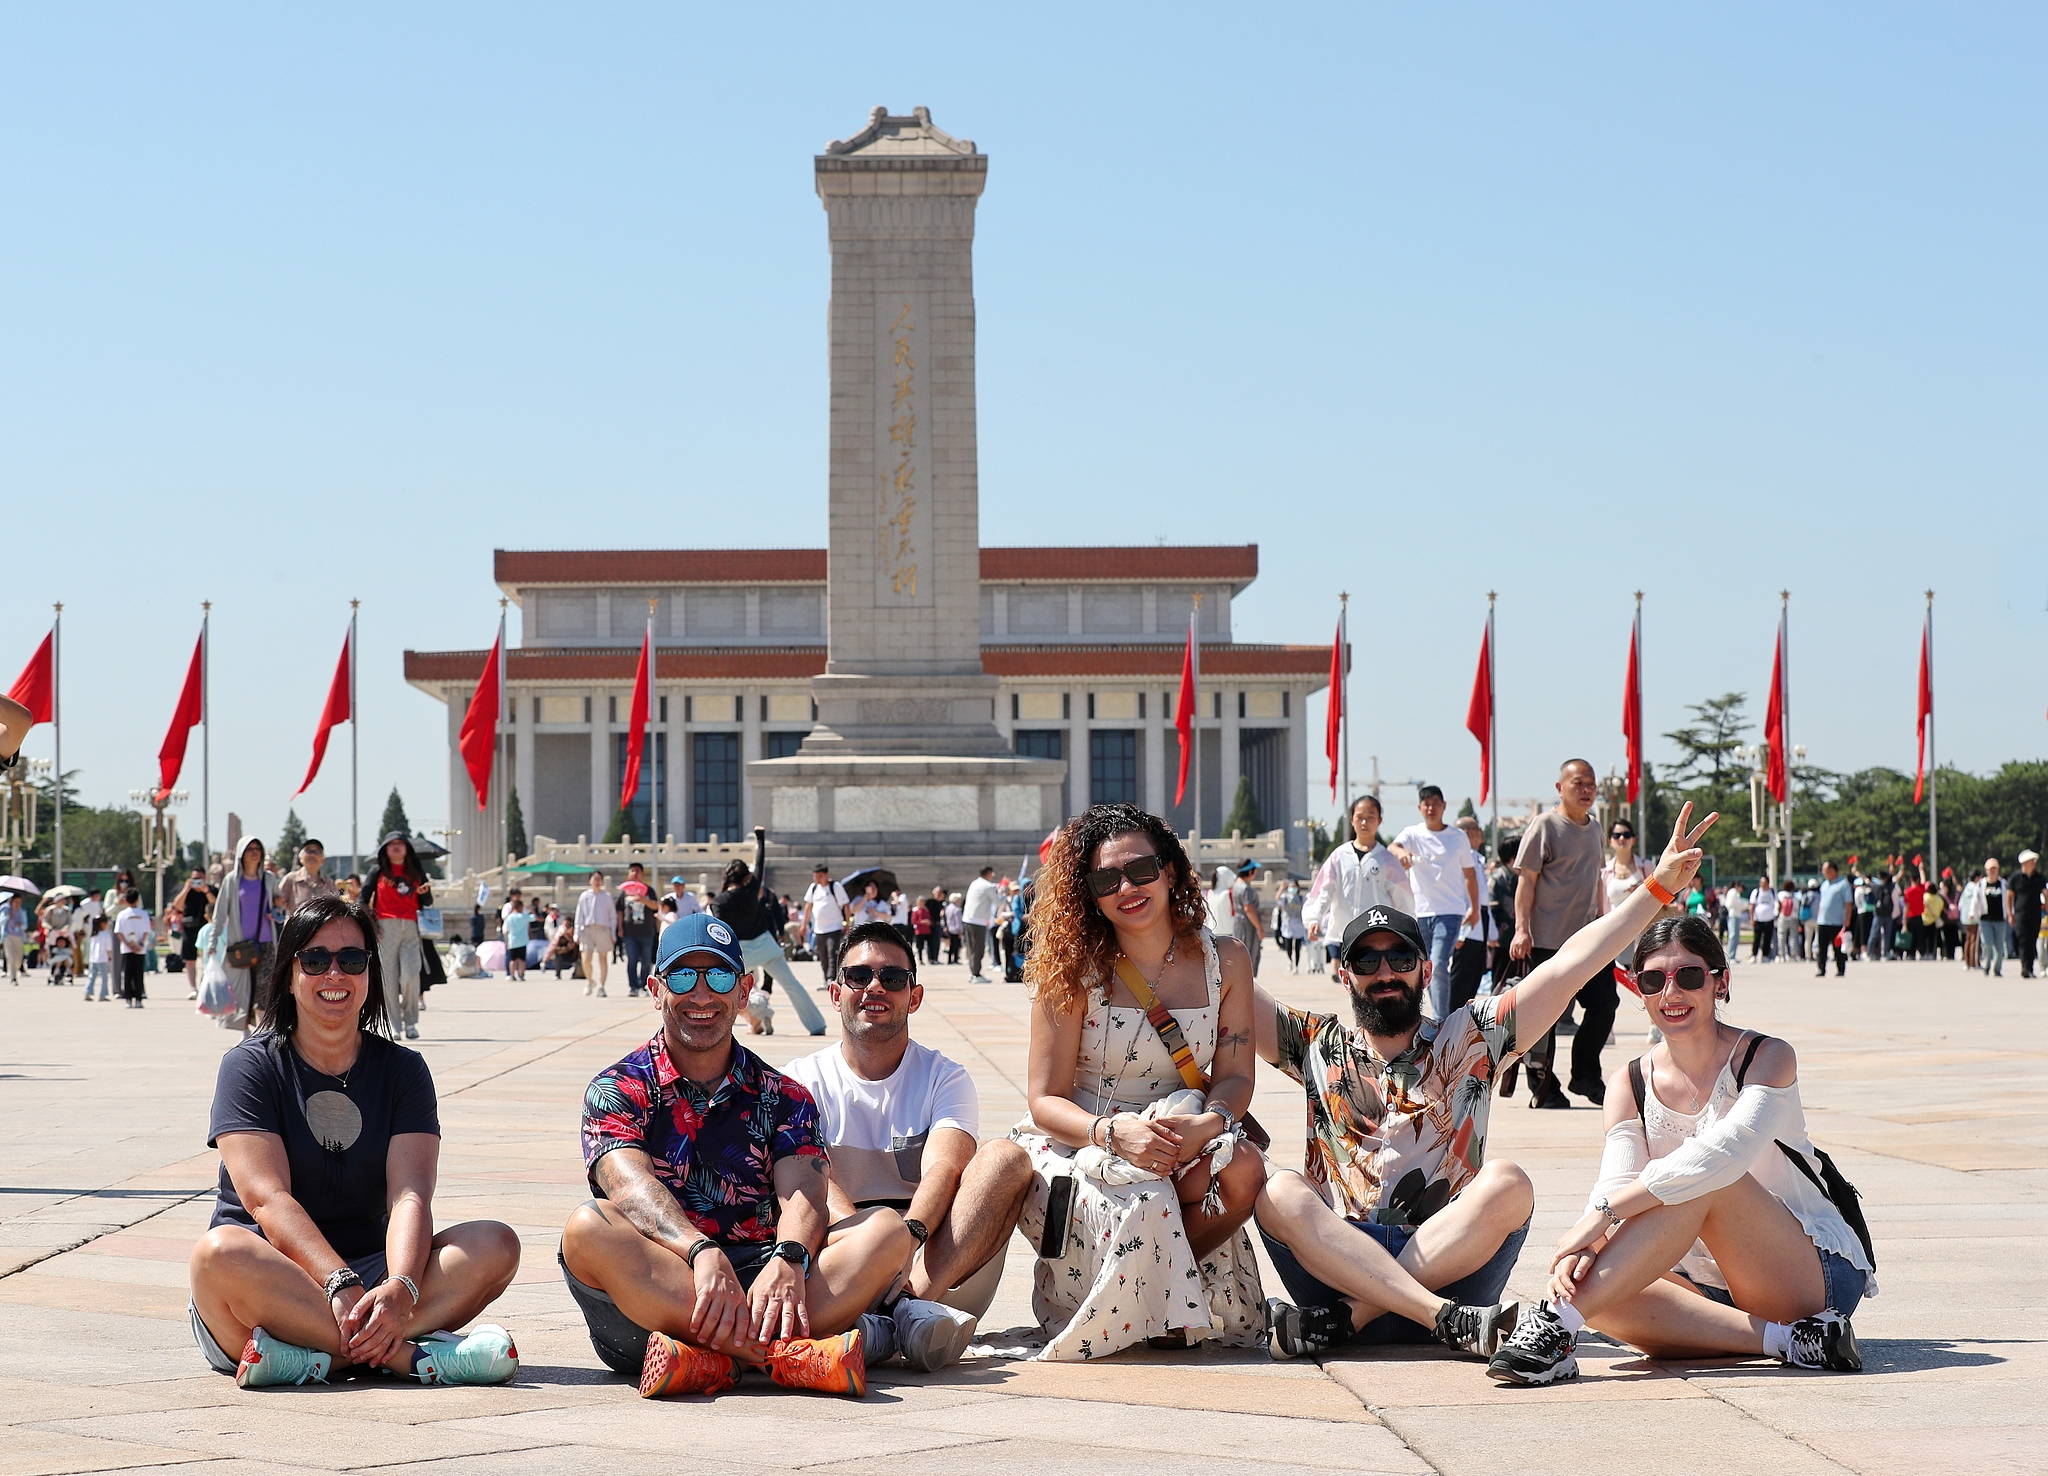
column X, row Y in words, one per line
column 1073, row 946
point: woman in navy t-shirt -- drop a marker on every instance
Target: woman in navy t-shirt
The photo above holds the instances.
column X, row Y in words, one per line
column 322, row 1249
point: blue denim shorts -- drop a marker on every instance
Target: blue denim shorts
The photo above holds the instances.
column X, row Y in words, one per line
column 1841, row 1284
column 1480, row 1289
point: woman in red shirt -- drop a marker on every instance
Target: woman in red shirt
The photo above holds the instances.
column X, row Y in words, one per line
column 396, row 889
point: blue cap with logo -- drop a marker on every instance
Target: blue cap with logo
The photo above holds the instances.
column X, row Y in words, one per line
column 700, row 932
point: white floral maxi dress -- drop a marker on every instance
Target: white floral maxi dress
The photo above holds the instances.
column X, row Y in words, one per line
column 1128, row 1273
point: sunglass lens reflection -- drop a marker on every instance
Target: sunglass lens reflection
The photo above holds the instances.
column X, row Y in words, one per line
column 1652, row 981
column 318, row 961
column 682, row 981
column 892, row 979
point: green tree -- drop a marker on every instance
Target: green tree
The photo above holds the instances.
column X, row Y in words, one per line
column 616, row 831
column 290, row 839
column 1244, row 810
column 1466, row 809
column 1707, row 745
column 1321, row 841
column 515, row 824
column 394, row 816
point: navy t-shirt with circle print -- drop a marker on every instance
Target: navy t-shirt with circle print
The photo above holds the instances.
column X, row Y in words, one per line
column 336, row 1136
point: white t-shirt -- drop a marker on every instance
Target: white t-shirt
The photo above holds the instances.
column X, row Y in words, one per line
column 133, row 926
column 1737, row 902
column 876, row 1131
column 102, row 947
column 827, row 907
column 1443, row 859
column 981, row 902
column 901, row 913
column 84, row 913
column 1763, row 906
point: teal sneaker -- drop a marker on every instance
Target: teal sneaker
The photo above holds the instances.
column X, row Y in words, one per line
column 484, row 1356
column 266, row 1362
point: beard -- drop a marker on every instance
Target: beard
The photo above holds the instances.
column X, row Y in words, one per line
column 1388, row 1015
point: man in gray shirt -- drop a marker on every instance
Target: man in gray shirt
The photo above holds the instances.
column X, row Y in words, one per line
column 1559, row 865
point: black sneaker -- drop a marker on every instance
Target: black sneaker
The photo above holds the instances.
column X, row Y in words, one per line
column 1476, row 1330
column 1593, row 1091
column 1550, row 1096
column 1298, row 1332
column 1825, row 1340
column 1538, row 1352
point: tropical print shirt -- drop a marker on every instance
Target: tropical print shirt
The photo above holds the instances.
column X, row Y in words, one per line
column 714, row 1150
column 1392, row 1141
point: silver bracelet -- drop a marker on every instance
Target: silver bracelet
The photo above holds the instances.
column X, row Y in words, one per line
column 410, row 1285
column 1602, row 1205
column 1229, row 1117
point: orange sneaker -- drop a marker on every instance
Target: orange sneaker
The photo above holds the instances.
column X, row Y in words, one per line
column 674, row 1367
column 835, row 1365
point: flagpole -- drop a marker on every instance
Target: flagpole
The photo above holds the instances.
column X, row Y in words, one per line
column 1785, row 717
column 57, row 725
column 355, row 728
column 1642, row 789
column 1492, row 724
column 1344, row 701
column 206, row 736
column 1933, row 779
column 503, row 662
column 1195, row 727
column 654, row 744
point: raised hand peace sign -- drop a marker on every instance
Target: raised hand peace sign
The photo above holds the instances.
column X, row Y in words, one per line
column 1682, row 857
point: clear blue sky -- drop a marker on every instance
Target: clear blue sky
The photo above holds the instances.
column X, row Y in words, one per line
column 300, row 304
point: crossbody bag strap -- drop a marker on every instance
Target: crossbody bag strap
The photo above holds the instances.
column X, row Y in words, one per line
column 1635, row 1081
column 1163, row 1021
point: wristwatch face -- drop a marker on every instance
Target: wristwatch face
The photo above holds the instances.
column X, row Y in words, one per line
column 791, row 1252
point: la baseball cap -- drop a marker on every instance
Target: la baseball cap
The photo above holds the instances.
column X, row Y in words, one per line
column 700, row 932
column 1372, row 920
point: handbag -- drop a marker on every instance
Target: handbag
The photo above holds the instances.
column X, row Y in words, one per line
column 245, row 954
column 430, row 922
column 1177, row 1045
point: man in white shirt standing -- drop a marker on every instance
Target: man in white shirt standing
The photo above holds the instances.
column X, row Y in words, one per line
column 1359, row 874
column 825, row 902
column 1441, row 870
column 1736, row 901
column 1763, row 922
column 901, row 1124
column 975, row 917
column 132, row 934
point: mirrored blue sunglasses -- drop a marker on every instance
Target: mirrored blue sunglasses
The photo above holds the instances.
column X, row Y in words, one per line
column 682, row 981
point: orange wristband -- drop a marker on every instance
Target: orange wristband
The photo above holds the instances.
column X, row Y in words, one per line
column 1658, row 890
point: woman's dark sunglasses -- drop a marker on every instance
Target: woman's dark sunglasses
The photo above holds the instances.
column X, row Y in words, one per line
column 682, row 981
column 1366, row 961
column 1621, row 835
column 314, row 962
column 891, row 977
column 1106, row 881
column 1652, row 981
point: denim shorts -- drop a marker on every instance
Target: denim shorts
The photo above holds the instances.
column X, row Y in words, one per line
column 1482, row 1288
column 371, row 1268
column 620, row 1341
column 1841, row 1284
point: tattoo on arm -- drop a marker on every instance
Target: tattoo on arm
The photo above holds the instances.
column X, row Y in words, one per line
column 815, row 1164
column 1231, row 1039
column 644, row 1200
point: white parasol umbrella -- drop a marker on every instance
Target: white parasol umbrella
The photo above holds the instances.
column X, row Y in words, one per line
column 64, row 894
column 20, row 884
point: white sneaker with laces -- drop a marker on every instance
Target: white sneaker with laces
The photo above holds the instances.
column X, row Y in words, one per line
column 931, row 1335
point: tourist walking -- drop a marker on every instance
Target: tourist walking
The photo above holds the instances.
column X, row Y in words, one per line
column 639, row 927
column 1831, row 912
column 245, row 929
column 1442, row 873
column 825, row 904
column 13, row 933
column 975, row 916
column 1359, row 874
column 1735, row 903
column 1559, row 860
column 2023, row 897
column 1246, row 923
column 1994, row 936
column 309, row 879
column 597, row 923
column 741, row 906
column 1287, row 923
column 191, row 908
column 954, row 923
column 397, row 888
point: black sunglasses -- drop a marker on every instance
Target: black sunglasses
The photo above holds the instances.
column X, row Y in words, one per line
column 1365, row 962
column 1106, row 881
column 1652, row 981
column 892, row 977
column 314, row 962
column 1621, row 835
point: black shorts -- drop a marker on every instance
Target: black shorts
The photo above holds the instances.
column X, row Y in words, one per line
column 620, row 1341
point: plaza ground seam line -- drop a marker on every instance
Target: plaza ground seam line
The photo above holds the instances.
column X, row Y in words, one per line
column 64, row 1250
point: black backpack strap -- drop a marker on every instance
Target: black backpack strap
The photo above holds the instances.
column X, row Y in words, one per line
column 1635, row 1083
column 1804, row 1167
column 1747, row 1057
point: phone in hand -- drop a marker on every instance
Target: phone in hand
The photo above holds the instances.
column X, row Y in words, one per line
column 1059, row 1210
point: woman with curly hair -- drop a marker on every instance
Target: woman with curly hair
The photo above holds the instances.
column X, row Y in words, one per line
column 1156, row 1177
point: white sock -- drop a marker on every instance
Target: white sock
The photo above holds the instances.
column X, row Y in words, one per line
column 1570, row 1316
column 1778, row 1341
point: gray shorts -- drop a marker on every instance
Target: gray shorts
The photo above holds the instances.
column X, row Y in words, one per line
column 371, row 1268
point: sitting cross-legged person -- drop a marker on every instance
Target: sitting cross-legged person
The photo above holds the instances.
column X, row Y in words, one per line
column 322, row 1251
column 707, row 1249
column 901, row 1124
column 1429, row 1226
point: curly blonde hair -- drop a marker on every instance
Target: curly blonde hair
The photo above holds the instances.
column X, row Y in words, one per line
column 1073, row 945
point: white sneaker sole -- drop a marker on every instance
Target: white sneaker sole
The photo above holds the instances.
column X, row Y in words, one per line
column 935, row 1341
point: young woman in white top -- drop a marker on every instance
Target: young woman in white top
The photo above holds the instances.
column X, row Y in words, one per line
column 1703, row 1237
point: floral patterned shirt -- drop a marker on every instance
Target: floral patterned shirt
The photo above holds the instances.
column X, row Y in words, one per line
column 1392, row 1141
column 715, row 1150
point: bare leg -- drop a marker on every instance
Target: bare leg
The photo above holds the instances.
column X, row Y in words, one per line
column 1242, row 1179
column 1335, row 1253
column 978, row 1226
column 862, row 1258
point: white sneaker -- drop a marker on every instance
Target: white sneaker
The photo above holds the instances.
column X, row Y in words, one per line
column 931, row 1335
column 600, row 991
column 412, row 1032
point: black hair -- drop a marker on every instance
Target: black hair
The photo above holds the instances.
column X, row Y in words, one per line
column 412, row 870
column 1691, row 933
column 881, row 933
column 313, row 844
column 736, row 874
column 131, row 897
column 276, row 1010
column 1428, row 791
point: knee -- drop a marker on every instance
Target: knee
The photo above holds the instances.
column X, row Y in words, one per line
column 1007, row 1166
column 587, row 1228
column 1284, row 1202
column 1504, row 1182
column 496, row 1247
column 219, row 1251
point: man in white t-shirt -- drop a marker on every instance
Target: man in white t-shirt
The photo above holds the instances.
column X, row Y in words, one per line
column 975, row 918
column 901, row 1124
column 825, row 903
column 1763, row 922
column 1442, row 870
column 132, row 935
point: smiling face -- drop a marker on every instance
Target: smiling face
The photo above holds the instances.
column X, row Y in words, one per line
column 332, row 1001
column 1384, row 1002
column 701, row 1020
column 1132, row 906
column 873, row 1016
column 1681, row 1012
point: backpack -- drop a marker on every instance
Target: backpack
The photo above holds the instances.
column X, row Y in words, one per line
column 1842, row 1194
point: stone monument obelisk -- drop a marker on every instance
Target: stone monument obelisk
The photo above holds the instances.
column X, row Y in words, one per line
column 905, row 756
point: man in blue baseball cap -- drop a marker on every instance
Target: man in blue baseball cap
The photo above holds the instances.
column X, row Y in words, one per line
column 700, row 1254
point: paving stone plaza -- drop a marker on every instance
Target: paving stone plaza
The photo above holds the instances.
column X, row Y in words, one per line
column 1926, row 1082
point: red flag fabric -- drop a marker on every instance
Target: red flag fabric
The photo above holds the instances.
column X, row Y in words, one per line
column 36, row 687
column 1917, row 862
column 1046, row 844
column 191, row 708
column 1333, row 736
column 1479, row 714
column 1632, row 720
column 479, row 736
column 337, row 711
column 1774, row 725
column 1920, row 729
column 636, row 726
column 1184, row 713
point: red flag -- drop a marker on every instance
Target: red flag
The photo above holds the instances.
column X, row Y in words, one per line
column 1046, row 844
column 36, row 687
column 1917, row 862
column 1920, row 730
column 1632, row 720
column 335, row 712
column 1852, row 859
column 191, row 710
column 1774, row 724
column 1333, row 737
column 1184, row 713
column 480, row 727
column 636, row 726
column 1479, row 715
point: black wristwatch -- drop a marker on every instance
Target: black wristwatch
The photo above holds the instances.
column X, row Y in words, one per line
column 916, row 1227
column 795, row 1252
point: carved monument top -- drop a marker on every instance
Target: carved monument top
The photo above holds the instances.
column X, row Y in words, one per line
column 888, row 135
